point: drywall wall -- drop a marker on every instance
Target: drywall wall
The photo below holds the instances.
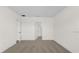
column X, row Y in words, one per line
column 8, row 32
column 66, row 28
column 29, row 28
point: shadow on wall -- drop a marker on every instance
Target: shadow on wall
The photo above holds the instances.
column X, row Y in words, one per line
column 39, row 38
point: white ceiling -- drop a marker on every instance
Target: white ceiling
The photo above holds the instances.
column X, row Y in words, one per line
column 36, row 11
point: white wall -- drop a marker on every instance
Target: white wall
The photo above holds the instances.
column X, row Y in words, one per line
column 66, row 28
column 8, row 32
column 28, row 28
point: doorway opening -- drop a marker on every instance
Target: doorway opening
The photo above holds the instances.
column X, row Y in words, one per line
column 38, row 30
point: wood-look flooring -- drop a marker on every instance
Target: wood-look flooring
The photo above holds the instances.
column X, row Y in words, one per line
column 37, row 46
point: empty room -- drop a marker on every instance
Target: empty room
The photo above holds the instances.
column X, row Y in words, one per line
column 39, row 29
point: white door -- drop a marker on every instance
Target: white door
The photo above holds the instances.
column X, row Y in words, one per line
column 28, row 31
column 31, row 31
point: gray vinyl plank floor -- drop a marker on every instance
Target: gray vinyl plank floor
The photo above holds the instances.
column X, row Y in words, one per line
column 37, row 46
